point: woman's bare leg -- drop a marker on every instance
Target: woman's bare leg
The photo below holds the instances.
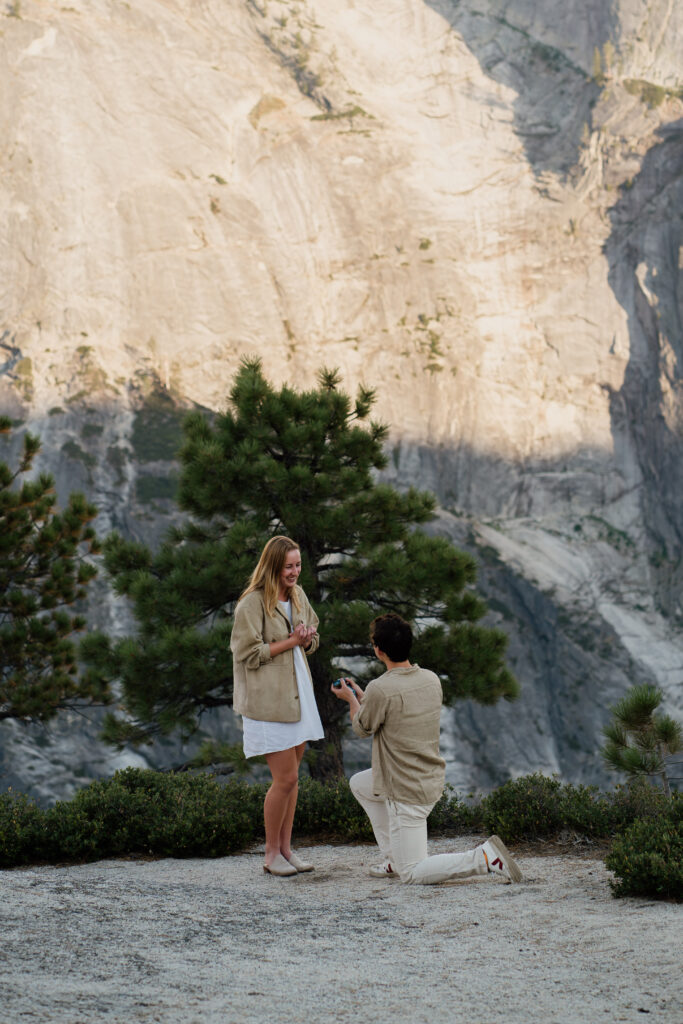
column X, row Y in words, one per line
column 288, row 820
column 280, row 802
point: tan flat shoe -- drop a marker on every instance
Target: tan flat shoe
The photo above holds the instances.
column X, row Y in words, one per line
column 298, row 863
column 280, row 866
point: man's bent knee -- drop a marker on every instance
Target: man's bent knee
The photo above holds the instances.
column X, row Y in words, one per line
column 361, row 785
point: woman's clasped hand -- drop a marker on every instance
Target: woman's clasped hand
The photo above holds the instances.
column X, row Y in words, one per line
column 302, row 635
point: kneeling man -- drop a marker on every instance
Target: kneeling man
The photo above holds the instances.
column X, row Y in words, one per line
column 401, row 711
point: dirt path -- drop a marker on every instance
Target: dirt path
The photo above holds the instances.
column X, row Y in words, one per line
column 219, row 942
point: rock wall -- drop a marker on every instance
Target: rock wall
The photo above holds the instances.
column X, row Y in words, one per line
column 474, row 207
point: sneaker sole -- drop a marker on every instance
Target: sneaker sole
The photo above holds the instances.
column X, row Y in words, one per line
column 511, row 864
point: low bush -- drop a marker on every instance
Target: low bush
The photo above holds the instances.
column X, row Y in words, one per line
column 150, row 812
column 647, row 860
column 452, row 816
column 330, row 810
column 538, row 807
column 526, row 808
column 183, row 815
column 638, row 800
column 136, row 811
column 22, row 830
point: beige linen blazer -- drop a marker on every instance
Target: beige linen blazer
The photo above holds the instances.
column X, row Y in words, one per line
column 263, row 687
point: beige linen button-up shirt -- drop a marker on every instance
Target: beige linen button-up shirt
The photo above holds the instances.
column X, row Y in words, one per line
column 402, row 711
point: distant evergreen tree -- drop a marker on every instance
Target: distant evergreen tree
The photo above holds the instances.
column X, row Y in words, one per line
column 639, row 742
column 298, row 463
column 42, row 573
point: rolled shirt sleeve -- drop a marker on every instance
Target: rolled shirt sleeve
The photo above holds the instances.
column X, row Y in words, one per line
column 247, row 643
column 372, row 712
column 315, row 643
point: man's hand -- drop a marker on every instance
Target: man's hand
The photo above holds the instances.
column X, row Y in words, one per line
column 348, row 690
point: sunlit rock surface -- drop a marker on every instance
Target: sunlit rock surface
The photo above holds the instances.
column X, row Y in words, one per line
column 474, row 207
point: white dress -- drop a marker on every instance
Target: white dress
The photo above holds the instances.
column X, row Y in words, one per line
column 268, row 737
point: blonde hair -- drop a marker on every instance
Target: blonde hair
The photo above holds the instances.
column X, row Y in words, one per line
column 266, row 575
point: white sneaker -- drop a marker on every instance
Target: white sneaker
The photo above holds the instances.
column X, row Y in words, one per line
column 384, row 870
column 500, row 861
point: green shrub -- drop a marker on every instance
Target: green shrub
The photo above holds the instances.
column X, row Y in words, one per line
column 330, row 810
column 182, row 815
column 601, row 815
column 165, row 814
column 526, row 808
column 583, row 809
column 136, row 811
column 647, row 859
column 538, row 807
column 452, row 816
column 639, row 800
column 22, row 830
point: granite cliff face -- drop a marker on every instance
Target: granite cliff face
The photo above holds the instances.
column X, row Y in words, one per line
column 474, row 206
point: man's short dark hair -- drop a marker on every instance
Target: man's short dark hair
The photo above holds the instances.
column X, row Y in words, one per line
column 392, row 635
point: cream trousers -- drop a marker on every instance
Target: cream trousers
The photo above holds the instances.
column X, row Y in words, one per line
column 401, row 834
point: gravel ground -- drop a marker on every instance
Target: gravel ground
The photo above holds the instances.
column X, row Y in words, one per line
column 219, row 942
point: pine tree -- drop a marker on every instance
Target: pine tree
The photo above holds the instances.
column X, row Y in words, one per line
column 42, row 573
column 639, row 742
column 302, row 464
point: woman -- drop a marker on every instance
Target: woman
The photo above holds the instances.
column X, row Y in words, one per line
column 273, row 691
